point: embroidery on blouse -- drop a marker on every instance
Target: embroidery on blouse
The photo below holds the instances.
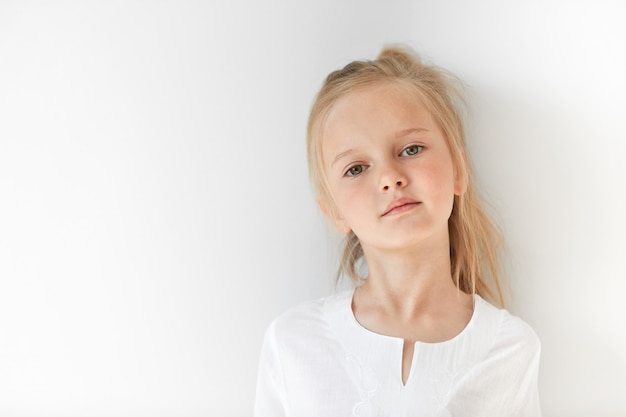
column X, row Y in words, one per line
column 368, row 385
column 442, row 388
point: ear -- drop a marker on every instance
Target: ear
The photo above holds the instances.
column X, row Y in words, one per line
column 460, row 183
column 333, row 216
column 461, row 175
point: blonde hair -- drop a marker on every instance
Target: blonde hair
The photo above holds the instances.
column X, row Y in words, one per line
column 474, row 239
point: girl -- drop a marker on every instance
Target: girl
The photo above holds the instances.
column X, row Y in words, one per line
column 415, row 336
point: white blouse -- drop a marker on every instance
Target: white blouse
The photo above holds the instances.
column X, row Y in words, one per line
column 318, row 361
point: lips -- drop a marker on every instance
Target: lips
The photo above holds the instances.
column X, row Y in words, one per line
column 400, row 206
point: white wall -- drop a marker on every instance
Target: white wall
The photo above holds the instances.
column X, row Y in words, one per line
column 155, row 212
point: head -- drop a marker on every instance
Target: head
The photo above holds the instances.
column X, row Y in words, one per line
column 471, row 234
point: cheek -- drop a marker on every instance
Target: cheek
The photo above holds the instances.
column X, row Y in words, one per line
column 440, row 181
column 350, row 200
column 346, row 199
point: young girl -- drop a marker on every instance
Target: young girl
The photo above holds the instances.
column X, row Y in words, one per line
column 415, row 336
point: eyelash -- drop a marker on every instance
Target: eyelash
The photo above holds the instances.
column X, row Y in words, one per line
column 419, row 149
column 349, row 172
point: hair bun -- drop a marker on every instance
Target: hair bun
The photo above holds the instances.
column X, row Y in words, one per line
column 400, row 53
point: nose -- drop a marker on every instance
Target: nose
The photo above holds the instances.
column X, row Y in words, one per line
column 392, row 179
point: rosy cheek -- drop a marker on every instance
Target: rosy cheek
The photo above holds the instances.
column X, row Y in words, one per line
column 347, row 199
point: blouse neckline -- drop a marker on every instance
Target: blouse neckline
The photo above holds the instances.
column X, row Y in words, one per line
column 358, row 327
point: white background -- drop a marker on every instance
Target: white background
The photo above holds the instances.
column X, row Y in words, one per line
column 155, row 211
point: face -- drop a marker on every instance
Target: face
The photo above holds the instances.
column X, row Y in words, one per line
column 389, row 169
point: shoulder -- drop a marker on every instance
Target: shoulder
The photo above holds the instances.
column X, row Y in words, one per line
column 513, row 338
column 306, row 320
column 506, row 366
column 516, row 333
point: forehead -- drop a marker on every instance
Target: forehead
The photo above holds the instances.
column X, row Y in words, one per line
column 374, row 112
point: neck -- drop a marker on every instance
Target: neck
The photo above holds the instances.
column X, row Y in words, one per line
column 411, row 281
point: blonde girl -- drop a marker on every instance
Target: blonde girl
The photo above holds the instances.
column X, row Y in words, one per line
column 416, row 334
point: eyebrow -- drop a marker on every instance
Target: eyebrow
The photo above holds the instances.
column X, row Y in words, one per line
column 398, row 134
column 409, row 131
column 341, row 155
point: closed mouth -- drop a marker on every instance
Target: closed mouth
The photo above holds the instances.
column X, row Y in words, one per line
column 400, row 206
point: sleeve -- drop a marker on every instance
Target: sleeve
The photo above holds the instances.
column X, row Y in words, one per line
column 526, row 403
column 270, row 390
column 519, row 369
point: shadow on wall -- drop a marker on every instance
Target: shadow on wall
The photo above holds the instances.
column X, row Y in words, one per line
column 555, row 174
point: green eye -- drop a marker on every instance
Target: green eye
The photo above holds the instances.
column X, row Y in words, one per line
column 412, row 150
column 355, row 170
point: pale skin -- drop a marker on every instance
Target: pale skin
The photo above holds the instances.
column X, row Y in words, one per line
column 382, row 148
